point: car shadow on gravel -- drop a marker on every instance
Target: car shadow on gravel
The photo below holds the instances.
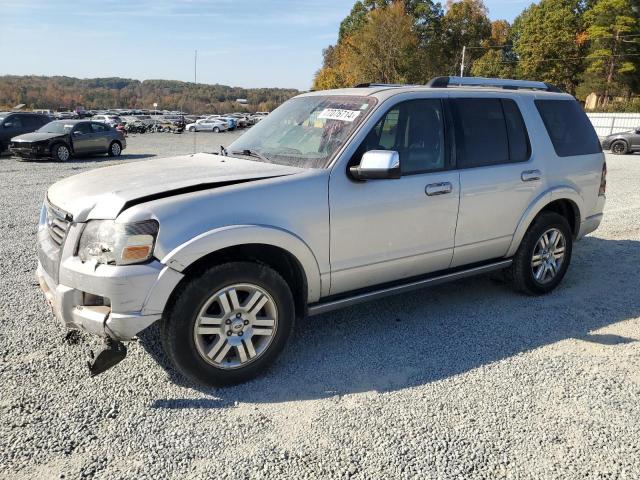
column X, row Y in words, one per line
column 433, row 334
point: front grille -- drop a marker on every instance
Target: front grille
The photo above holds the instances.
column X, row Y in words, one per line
column 57, row 225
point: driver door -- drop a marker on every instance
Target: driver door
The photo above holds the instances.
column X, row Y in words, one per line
column 82, row 138
column 389, row 229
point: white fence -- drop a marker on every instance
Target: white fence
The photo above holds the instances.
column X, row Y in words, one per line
column 608, row 123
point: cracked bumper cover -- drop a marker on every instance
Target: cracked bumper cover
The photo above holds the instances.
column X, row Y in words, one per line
column 137, row 295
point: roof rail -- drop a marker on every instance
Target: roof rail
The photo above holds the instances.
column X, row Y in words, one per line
column 507, row 84
column 367, row 85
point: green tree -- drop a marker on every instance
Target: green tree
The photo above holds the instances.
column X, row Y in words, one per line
column 613, row 64
column 550, row 42
column 499, row 59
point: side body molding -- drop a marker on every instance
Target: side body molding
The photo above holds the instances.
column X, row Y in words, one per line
column 555, row 193
column 189, row 252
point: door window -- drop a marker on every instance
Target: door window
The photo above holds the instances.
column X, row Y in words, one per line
column 415, row 129
column 16, row 121
column 98, row 127
column 83, row 127
column 481, row 132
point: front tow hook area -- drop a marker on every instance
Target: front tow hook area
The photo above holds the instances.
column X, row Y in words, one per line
column 110, row 354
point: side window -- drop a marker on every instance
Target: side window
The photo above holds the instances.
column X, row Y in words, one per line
column 519, row 146
column 98, row 127
column 568, row 127
column 415, row 129
column 83, row 127
column 481, row 132
column 15, row 120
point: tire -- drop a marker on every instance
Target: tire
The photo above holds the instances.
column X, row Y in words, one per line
column 216, row 130
column 60, row 152
column 231, row 345
column 115, row 149
column 522, row 272
column 192, row 129
column 619, row 147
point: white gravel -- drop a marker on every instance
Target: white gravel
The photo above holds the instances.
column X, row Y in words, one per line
column 467, row 380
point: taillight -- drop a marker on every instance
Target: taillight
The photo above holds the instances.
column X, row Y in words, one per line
column 603, row 180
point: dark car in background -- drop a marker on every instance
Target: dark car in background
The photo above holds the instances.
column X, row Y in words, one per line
column 623, row 142
column 17, row 123
column 62, row 139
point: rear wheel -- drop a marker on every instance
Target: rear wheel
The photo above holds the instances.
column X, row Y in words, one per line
column 60, row 152
column 228, row 324
column 115, row 149
column 619, row 147
column 544, row 255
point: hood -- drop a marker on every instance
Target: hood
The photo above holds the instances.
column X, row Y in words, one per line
column 36, row 137
column 104, row 192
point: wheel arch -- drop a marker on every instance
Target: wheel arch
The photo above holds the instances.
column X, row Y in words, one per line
column 563, row 200
column 281, row 250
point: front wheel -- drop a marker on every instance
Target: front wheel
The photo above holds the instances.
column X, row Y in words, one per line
column 60, row 152
column 216, row 130
column 228, row 324
column 544, row 255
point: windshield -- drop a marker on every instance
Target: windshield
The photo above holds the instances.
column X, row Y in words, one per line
column 56, row 127
column 304, row 132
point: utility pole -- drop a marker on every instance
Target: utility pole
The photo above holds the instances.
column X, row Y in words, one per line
column 464, row 50
column 195, row 82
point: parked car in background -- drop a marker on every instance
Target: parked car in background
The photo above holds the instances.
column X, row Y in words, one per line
column 623, row 142
column 231, row 122
column 111, row 120
column 208, row 125
column 62, row 139
column 17, row 123
column 65, row 115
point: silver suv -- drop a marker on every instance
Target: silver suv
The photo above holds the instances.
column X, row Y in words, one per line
column 335, row 198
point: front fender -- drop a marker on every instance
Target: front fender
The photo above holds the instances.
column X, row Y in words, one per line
column 189, row 252
column 544, row 199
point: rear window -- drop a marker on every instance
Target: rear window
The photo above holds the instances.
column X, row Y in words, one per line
column 568, row 127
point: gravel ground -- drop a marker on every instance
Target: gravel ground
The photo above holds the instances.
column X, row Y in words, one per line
column 467, row 380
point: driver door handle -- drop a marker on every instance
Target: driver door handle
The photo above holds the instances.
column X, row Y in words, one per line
column 531, row 175
column 438, row 188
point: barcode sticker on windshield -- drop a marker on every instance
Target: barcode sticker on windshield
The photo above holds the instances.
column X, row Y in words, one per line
column 339, row 114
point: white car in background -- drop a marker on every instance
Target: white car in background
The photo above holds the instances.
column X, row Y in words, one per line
column 111, row 120
column 208, row 125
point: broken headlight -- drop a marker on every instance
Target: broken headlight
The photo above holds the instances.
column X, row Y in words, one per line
column 110, row 243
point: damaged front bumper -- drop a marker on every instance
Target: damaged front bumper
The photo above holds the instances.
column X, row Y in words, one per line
column 77, row 309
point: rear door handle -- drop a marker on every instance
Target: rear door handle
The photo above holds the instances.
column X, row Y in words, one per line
column 438, row 188
column 531, row 175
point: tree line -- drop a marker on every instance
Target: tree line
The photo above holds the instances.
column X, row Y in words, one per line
column 582, row 46
column 59, row 93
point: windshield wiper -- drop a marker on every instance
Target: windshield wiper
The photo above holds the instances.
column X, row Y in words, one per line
column 250, row 153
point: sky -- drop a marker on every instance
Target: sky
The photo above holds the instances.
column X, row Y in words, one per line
column 244, row 43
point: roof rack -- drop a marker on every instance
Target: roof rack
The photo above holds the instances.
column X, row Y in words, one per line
column 367, row 85
column 507, row 84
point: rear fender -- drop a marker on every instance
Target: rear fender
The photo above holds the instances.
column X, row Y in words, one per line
column 556, row 193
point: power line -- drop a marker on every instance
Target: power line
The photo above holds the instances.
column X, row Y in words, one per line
column 575, row 58
column 549, row 42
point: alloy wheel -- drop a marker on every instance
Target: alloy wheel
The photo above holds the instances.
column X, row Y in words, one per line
column 618, row 148
column 63, row 153
column 115, row 149
column 548, row 255
column 235, row 326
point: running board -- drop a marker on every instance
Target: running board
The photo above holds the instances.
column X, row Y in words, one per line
column 330, row 305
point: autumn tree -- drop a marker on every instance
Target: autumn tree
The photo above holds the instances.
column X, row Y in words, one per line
column 499, row 59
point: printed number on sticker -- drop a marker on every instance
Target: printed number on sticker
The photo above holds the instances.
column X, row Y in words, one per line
column 339, row 114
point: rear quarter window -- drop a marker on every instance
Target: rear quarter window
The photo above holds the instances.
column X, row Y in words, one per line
column 568, row 127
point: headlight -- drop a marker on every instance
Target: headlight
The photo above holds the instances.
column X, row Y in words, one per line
column 108, row 242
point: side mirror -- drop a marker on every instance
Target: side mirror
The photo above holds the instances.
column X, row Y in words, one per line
column 77, row 133
column 377, row 165
column 8, row 124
